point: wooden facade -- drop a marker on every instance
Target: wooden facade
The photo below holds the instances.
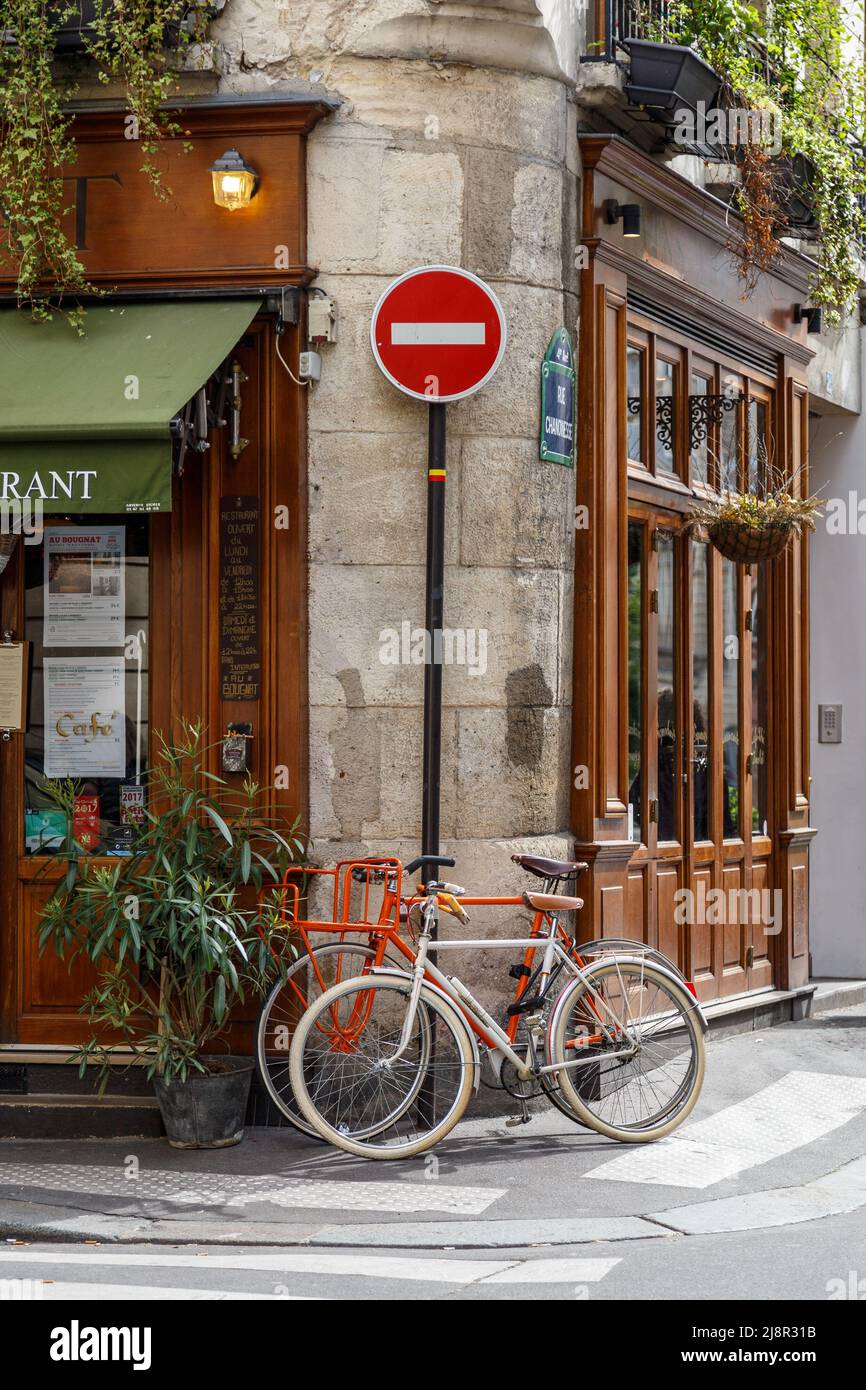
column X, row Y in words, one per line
column 691, row 673
column 133, row 243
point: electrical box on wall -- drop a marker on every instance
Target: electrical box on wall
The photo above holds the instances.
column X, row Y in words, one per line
column 829, row 723
column 321, row 319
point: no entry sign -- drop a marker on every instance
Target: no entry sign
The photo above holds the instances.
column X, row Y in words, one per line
column 438, row 333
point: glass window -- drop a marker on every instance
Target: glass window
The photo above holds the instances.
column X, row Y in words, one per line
column 635, row 675
column 700, row 426
column 730, row 700
column 634, row 401
column 87, row 617
column 701, row 689
column 668, row 782
column 757, row 444
column 664, row 447
column 759, row 700
column 729, row 443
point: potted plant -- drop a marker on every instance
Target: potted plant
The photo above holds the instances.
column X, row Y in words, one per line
column 754, row 526
column 666, row 77
column 179, row 930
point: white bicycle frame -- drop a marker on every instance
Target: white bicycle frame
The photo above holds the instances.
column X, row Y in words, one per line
column 425, row 970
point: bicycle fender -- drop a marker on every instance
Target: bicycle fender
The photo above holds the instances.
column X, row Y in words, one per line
column 437, row 989
column 675, row 979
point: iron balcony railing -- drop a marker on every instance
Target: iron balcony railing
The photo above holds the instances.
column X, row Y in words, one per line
column 610, row 22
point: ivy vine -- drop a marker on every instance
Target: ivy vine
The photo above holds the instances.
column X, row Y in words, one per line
column 127, row 42
column 802, row 62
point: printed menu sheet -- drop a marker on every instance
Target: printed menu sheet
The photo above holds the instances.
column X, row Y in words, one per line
column 85, row 602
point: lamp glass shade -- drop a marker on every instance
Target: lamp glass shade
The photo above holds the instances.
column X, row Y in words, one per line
column 234, row 182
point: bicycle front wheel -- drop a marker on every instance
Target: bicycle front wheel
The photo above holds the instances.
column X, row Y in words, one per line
column 359, row 1089
column 305, row 980
column 641, row 1051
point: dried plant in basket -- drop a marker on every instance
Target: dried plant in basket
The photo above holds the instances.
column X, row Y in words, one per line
column 751, row 527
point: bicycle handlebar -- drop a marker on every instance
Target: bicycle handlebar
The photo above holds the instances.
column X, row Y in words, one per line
column 429, row 859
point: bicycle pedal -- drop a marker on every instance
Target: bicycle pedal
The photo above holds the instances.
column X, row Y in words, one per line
column 516, row 1120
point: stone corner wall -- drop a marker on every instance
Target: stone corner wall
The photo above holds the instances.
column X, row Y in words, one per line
column 434, row 159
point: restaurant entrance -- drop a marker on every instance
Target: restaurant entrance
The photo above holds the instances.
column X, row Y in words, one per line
column 165, row 581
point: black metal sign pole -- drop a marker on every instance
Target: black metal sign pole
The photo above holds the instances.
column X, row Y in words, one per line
column 433, row 624
column 433, row 619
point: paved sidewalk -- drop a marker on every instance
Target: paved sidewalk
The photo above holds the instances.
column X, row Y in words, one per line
column 777, row 1139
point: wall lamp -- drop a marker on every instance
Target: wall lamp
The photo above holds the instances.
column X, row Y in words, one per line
column 235, row 182
column 813, row 316
column 629, row 213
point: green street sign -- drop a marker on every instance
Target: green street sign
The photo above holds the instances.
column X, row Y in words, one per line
column 556, row 442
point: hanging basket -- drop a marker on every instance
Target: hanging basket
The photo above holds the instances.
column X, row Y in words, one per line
column 749, row 545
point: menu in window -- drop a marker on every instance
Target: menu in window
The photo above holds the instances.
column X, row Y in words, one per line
column 85, row 717
column 13, row 684
column 85, row 602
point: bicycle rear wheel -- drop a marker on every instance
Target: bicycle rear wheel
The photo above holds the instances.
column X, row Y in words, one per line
column 353, row 1088
column 636, row 1090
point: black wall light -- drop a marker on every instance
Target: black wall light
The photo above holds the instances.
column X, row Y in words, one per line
column 628, row 213
column 814, row 317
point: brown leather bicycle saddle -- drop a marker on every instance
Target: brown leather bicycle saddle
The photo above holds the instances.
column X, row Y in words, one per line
column 548, row 868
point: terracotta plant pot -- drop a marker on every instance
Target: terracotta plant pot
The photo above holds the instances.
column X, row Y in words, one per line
column 206, row 1112
column 748, row 545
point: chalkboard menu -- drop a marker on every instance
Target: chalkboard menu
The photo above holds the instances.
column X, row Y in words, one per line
column 239, row 598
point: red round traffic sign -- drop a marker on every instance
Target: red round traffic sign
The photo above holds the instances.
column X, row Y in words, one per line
column 438, row 333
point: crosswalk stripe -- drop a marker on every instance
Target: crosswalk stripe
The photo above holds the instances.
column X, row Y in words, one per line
column 57, row 1292
column 833, row 1194
column 788, row 1114
column 427, row 1270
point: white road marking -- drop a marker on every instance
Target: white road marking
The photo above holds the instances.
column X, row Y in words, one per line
column 834, row 1194
column 239, row 1190
column 563, row 1271
column 788, row 1114
column 152, row 1293
column 437, row 334
column 426, row 1270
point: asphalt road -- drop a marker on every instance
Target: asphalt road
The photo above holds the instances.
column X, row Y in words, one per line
column 760, row 1196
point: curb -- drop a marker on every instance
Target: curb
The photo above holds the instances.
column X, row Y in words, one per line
column 31, row 1222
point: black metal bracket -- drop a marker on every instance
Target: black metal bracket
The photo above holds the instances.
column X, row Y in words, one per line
column 705, row 411
column 665, row 421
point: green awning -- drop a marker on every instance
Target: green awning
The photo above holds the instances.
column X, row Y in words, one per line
column 84, row 421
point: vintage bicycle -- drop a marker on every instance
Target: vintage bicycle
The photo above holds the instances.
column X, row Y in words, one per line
column 383, row 1064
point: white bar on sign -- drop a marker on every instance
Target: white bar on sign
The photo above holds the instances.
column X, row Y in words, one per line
column 438, row 334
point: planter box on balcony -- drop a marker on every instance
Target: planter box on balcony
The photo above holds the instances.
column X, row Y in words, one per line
column 666, row 78
column 796, row 178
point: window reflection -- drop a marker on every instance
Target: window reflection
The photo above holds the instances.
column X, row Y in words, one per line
column 757, row 417
column 87, row 618
column 701, row 689
column 664, row 447
column 635, row 673
column 759, row 700
column 730, row 700
column 700, row 425
column 729, row 451
column 634, row 402
column 668, row 723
